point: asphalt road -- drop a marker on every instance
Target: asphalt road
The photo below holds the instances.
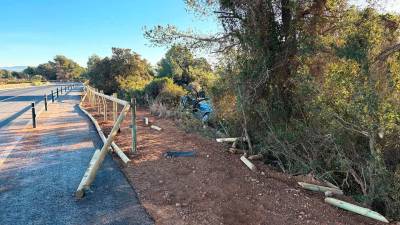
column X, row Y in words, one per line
column 15, row 102
column 41, row 170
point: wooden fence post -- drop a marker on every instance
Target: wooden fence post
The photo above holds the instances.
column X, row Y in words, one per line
column 115, row 109
column 133, row 124
column 105, row 109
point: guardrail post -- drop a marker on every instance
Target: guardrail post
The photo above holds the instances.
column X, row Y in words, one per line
column 133, row 124
column 33, row 115
column 45, row 102
column 52, row 96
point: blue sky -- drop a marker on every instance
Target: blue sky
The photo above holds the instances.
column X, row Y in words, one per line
column 34, row 31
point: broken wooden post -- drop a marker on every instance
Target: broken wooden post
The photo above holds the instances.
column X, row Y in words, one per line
column 155, row 127
column 356, row 209
column 91, row 171
column 133, row 124
column 313, row 187
column 114, row 146
column 95, row 157
column 249, row 164
column 230, row 139
column 255, row 157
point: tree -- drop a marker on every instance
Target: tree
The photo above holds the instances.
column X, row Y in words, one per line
column 47, row 70
column 180, row 65
column 92, row 61
column 125, row 70
column 30, row 71
column 316, row 85
column 5, row 74
column 66, row 69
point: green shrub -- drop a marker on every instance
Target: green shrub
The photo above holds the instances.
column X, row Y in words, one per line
column 165, row 91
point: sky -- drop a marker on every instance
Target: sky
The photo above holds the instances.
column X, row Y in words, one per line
column 34, row 31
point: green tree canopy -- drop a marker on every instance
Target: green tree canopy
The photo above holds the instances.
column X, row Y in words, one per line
column 67, row 69
column 180, row 65
column 125, row 70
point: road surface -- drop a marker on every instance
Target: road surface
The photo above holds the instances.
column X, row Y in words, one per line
column 44, row 167
column 15, row 102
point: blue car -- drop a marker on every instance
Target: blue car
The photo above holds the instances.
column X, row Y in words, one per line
column 201, row 107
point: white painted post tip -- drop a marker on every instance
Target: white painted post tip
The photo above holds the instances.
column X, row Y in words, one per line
column 356, row 209
column 249, row 164
column 313, row 187
column 229, row 139
column 155, row 127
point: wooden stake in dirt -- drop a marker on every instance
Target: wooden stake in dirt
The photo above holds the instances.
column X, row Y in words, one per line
column 255, row 157
column 356, row 209
column 249, row 164
column 133, row 124
column 155, row 127
column 229, row 139
column 90, row 173
column 313, row 187
column 105, row 108
column 115, row 109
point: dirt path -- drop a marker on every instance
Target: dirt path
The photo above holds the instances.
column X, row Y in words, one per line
column 215, row 187
column 39, row 177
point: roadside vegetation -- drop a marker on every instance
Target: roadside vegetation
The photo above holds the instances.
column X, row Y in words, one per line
column 314, row 85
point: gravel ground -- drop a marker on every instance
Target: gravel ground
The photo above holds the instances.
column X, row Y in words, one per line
column 215, row 187
column 40, row 176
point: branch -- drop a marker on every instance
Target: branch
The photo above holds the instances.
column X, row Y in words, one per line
column 387, row 52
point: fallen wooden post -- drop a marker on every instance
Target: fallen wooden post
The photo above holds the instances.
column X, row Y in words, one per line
column 249, row 164
column 114, row 146
column 91, row 171
column 255, row 157
column 330, row 184
column 313, row 187
column 229, row 139
column 356, row 209
column 155, row 127
column 236, row 151
column 80, row 192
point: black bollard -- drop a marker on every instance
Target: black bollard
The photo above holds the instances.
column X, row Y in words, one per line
column 52, row 96
column 45, row 102
column 33, row 115
column 57, row 92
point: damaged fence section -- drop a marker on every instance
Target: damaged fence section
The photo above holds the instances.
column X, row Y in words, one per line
column 99, row 101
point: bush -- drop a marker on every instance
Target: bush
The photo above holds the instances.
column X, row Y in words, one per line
column 164, row 91
column 36, row 80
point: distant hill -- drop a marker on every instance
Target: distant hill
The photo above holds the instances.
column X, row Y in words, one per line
column 14, row 68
